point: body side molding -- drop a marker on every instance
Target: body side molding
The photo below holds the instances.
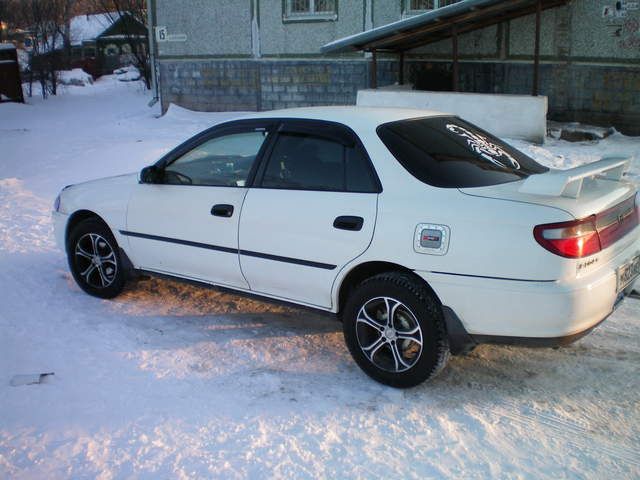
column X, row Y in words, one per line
column 248, row 253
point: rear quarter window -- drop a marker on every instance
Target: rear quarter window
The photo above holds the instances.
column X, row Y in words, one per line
column 449, row 152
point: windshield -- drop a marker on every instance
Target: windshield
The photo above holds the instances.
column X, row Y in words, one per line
column 448, row 152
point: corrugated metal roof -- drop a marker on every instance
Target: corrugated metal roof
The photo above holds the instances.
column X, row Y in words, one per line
column 437, row 24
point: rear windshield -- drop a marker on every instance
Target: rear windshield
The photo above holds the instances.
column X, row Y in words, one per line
column 448, row 152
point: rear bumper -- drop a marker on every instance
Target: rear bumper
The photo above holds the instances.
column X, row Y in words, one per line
column 535, row 342
column 531, row 313
column 461, row 342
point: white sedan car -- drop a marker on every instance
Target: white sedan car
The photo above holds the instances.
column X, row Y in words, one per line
column 425, row 234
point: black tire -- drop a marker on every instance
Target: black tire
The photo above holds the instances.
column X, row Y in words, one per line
column 105, row 277
column 397, row 359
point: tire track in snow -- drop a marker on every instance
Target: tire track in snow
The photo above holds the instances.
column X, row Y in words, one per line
column 25, row 219
column 572, row 432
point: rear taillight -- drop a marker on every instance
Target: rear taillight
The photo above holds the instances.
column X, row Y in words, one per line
column 574, row 239
column 581, row 238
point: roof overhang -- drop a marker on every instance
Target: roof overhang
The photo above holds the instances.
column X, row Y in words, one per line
column 439, row 24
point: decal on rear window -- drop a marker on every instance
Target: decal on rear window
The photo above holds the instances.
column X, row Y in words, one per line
column 483, row 147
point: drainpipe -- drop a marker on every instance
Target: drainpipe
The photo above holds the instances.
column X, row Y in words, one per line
column 151, row 34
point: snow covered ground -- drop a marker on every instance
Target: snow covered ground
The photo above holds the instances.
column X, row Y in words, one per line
column 175, row 381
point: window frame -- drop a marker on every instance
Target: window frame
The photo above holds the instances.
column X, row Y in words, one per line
column 334, row 131
column 288, row 16
column 407, row 11
column 223, row 130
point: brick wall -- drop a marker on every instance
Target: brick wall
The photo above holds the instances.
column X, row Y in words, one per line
column 213, row 85
column 603, row 95
column 226, row 85
column 600, row 95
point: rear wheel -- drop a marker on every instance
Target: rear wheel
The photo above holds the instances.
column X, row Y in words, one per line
column 94, row 259
column 394, row 328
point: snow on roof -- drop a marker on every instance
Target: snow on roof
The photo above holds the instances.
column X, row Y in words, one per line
column 89, row 27
column 85, row 28
column 7, row 46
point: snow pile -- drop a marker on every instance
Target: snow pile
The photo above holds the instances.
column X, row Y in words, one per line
column 562, row 154
column 127, row 74
column 178, row 115
column 175, row 381
column 76, row 77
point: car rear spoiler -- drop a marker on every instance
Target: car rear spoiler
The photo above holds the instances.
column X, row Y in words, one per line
column 568, row 183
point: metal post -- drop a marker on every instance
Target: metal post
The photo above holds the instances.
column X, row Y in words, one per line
column 536, row 51
column 454, row 79
column 151, row 35
column 374, row 70
column 401, row 69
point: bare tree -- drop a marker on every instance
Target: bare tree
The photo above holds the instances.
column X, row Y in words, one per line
column 45, row 20
column 68, row 11
column 133, row 14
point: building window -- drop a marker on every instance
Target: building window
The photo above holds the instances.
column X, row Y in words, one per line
column 111, row 50
column 414, row 7
column 310, row 10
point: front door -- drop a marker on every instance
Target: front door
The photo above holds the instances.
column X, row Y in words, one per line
column 311, row 211
column 187, row 225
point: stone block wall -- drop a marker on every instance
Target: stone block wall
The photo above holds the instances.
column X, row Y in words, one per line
column 593, row 94
column 226, row 85
column 210, row 85
column 286, row 84
column 601, row 95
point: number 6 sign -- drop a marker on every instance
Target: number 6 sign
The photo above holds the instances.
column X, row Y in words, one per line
column 161, row 34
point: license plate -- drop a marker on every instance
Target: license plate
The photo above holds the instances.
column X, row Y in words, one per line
column 628, row 272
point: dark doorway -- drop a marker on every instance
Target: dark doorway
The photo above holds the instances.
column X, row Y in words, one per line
column 10, row 84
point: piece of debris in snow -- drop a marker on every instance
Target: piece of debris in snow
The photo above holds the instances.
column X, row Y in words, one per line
column 577, row 132
column 30, row 379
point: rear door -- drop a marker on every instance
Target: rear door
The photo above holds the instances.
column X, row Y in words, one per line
column 311, row 210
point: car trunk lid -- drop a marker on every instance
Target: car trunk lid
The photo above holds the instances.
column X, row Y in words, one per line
column 581, row 191
column 595, row 190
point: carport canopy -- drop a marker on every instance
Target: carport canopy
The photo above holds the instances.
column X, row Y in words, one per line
column 440, row 24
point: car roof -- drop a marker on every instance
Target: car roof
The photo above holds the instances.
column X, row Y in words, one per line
column 352, row 116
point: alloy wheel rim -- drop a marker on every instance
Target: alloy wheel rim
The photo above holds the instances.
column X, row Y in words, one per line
column 95, row 260
column 389, row 334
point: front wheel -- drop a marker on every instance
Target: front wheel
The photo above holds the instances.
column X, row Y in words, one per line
column 394, row 328
column 94, row 259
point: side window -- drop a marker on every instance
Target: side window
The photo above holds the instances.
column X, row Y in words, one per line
column 307, row 162
column 360, row 178
column 222, row 161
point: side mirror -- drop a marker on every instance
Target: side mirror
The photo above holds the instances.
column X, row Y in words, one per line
column 151, row 174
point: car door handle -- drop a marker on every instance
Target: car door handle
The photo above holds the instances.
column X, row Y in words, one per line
column 348, row 222
column 222, row 210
